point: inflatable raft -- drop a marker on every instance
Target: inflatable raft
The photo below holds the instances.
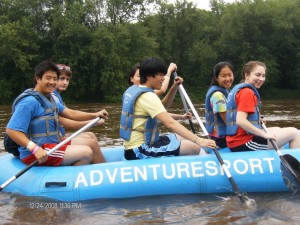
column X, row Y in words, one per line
column 253, row 172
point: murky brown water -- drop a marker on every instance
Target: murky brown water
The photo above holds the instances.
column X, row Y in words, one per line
column 274, row 208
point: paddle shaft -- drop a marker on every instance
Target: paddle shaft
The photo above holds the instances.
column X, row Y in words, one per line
column 185, row 107
column 183, row 92
column 87, row 126
column 271, row 140
column 228, row 174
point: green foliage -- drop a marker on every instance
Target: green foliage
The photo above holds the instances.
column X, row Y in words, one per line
column 5, row 93
column 102, row 39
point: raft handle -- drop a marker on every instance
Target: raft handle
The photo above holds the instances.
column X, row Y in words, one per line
column 59, row 184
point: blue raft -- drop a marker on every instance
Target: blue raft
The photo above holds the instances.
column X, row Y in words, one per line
column 253, row 172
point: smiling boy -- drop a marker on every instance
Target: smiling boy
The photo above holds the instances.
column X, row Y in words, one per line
column 34, row 123
column 141, row 111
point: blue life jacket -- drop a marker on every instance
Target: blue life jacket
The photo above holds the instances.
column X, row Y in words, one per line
column 254, row 118
column 214, row 120
column 33, row 133
column 127, row 116
column 57, row 97
column 42, row 129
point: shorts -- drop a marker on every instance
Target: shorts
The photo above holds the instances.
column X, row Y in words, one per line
column 55, row 159
column 256, row 144
column 167, row 145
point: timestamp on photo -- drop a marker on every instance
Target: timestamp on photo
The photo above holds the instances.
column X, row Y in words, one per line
column 55, row 205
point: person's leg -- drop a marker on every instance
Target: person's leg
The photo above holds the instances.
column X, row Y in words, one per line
column 285, row 135
column 167, row 145
column 189, row 148
column 90, row 135
column 77, row 155
column 94, row 145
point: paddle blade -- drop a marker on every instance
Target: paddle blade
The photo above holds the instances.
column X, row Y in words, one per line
column 290, row 168
column 247, row 201
column 294, row 164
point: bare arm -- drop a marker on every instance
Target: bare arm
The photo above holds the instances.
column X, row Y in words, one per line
column 241, row 121
column 82, row 116
column 223, row 116
column 21, row 139
column 75, row 125
column 179, row 129
column 172, row 67
column 164, row 86
column 168, row 99
column 181, row 117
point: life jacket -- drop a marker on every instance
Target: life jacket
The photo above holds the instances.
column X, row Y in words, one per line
column 213, row 120
column 57, row 97
column 42, row 129
column 127, row 116
column 254, row 118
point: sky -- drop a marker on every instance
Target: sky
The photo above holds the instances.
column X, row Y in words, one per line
column 202, row 4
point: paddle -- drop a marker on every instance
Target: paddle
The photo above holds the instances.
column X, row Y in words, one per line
column 185, row 107
column 87, row 126
column 242, row 196
column 290, row 167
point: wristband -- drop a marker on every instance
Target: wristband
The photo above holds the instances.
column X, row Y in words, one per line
column 168, row 75
column 36, row 148
column 30, row 145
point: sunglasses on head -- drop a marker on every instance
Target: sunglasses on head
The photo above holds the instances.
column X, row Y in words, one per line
column 63, row 67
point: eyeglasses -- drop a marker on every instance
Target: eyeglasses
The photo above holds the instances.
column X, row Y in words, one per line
column 63, row 67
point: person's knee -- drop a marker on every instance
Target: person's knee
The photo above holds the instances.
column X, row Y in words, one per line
column 294, row 131
column 87, row 154
column 91, row 135
column 196, row 151
column 189, row 150
column 94, row 144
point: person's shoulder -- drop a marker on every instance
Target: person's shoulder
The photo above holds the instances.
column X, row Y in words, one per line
column 218, row 98
column 27, row 103
column 55, row 97
column 218, row 94
column 149, row 97
column 246, row 90
column 245, row 93
column 29, row 99
column 149, row 94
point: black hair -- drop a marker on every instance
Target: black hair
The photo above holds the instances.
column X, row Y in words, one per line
column 216, row 72
column 44, row 66
column 150, row 67
column 132, row 72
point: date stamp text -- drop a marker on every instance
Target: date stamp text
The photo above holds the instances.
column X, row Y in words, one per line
column 55, row 205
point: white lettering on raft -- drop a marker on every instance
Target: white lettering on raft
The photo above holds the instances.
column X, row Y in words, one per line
column 170, row 171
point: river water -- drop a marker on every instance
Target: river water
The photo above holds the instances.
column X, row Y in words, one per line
column 271, row 208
